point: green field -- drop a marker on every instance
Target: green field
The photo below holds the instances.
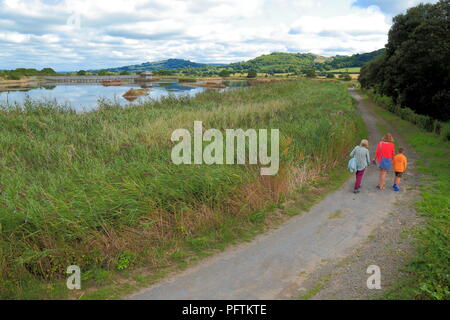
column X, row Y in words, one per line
column 99, row 190
column 346, row 70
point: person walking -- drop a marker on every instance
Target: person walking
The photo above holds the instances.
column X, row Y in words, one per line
column 384, row 156
column 400, row 165
column 362, row 156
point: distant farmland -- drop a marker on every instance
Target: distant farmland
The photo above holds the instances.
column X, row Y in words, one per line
column 346, row 70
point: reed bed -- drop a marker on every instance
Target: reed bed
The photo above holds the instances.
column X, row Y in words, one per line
column 99, row 189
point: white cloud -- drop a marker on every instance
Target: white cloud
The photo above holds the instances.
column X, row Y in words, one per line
column 14, row 37
column 117, row 32
column 357, row 21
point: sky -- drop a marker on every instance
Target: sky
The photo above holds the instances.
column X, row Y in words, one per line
column 84, row 34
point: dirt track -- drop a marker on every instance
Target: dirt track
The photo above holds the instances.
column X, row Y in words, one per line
column 325, row 250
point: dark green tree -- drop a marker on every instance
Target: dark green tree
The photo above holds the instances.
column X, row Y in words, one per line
column 48, row 71
column 81, row 73
column 251, row 74
column 310, row 73
column 163, row 72
column 345, row 77
column 415, row 69
column 224, row 73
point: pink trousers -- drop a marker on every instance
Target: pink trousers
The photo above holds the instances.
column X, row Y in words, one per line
column 359, row 176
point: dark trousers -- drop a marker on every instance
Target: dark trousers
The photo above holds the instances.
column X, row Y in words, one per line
column 359, row 176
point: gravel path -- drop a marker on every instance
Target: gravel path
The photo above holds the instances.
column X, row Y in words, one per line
column 328, row 248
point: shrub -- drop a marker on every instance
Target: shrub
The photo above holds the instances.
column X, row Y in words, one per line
column 310, row 73
column 224, row 74
column 422, row 121
column 345, row 77
column 187, row 79
column 251, row 74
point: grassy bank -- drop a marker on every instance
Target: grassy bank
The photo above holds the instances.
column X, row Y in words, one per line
column 422, row 121
column 99, row 190
column 428, row 272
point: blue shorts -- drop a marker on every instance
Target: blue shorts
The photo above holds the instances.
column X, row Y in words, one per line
column 385, row 163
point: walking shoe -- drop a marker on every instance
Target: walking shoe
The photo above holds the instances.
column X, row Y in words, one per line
column 394, row 186
column 356, row 191
column 396, row 189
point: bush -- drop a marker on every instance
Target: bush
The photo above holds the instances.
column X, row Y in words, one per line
column 311, row 73
column 345, row 77
column 251, row 74
column 163, row 72
column 224, row 74
column 422, row 121
column 187, row 80
column 13, row 76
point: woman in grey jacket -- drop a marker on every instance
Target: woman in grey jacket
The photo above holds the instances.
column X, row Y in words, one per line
column 361, row 154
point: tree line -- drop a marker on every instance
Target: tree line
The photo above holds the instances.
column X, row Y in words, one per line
column 414, row 70
column 19, row 73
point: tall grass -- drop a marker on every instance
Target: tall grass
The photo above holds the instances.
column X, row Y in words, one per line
column 99, row 190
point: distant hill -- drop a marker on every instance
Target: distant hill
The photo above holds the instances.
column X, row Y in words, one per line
column 169, row 64
column 356, row 60
column 280, row 62
column 277, row 62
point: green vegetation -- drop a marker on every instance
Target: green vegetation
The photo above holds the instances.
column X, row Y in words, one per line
column 224, row 73
column 310, row 73
column 163, row 72
column 187, row 79
column 345, row 77
column 346, row 70
column 99, row 190
column 19, row 73
column 316, row 289
column 424, row 122
column 429, row 271
column 356, row 60
column 169, row 64
column 415, row 70
column 270, row 64
column 277, row 62
column 298, row 63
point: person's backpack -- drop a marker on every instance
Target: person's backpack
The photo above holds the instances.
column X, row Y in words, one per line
column 352, row 165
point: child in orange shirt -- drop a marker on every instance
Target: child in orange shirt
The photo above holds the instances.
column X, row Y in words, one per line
column 400, row 163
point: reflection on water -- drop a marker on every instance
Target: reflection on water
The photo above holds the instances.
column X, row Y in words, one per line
column 84, row 97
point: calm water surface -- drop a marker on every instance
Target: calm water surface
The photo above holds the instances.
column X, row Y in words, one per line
column 85, row 97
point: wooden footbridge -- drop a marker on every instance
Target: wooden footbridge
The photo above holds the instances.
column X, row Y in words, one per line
column 90, row 79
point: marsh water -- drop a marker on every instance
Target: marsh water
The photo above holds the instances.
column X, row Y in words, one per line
column 86, row 97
